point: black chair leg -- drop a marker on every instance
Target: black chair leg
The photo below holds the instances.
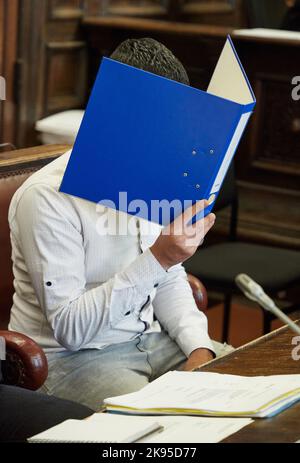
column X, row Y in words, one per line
column 267, row 322
column 226, row 319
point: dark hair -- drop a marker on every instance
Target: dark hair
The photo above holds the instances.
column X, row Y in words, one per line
column 152, row 56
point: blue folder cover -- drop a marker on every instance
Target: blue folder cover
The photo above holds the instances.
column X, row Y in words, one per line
column 153, row 139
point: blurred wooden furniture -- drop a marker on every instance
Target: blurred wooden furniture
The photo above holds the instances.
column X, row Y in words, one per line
column 8, row 57
column 57, row 47
column 269, row 355
column 276, row 269
column 215, row 12
column 268, row 166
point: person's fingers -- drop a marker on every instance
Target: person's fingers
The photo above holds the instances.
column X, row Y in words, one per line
column 197, row 232
column 206, row 224
column 202, row 227
column 189, row 213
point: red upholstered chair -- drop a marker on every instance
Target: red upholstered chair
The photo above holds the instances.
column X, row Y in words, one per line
column 26, row 364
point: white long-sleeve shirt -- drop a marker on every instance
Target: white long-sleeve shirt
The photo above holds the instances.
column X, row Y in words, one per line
column 79, row 286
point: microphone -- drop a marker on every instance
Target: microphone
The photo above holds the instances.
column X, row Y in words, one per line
column 253, row 291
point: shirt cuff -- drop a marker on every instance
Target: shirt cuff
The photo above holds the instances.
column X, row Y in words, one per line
column 190, row 340
column 145, row 272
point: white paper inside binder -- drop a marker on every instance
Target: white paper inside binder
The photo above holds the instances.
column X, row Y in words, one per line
column 229, row 80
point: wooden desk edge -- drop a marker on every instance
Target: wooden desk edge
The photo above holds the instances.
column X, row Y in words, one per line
column 246, row 346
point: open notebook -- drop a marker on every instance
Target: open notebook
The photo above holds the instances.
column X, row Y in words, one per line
column 211, row 394
column 173, row 429
column 107, row 429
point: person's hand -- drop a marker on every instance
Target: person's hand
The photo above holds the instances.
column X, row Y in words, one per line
column 179, row 241
column 197, row 358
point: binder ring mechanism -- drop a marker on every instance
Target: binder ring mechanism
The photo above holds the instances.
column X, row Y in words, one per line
column 186, row 174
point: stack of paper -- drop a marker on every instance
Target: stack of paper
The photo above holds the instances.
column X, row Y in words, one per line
column 211, row 394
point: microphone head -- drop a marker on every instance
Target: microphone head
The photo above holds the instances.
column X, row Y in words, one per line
column 243, row 281
column 249, row 287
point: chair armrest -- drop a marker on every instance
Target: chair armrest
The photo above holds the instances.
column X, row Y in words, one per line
column 26, row 363
column 199, row 292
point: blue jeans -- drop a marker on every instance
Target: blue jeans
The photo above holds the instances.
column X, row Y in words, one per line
column 90, row 376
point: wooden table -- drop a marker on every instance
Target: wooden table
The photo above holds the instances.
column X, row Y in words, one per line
column 268, row 355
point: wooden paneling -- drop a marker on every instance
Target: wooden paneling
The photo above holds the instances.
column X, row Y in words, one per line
column 198, row 47
column 271, row 149
column 52, row 62
column 62, row 60
column 46, row 55
column 8, row 51
column 218, row 12
column 65, row 9
column 147, row 8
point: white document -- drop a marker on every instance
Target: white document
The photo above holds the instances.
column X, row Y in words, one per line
column 198, row 430
column 229, row 80
column 211, row 394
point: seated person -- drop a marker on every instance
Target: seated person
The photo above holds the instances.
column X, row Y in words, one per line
column 25, row 413
column 111, row 312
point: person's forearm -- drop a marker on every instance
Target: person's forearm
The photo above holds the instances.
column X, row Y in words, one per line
column 177, row 312
column 79, row 321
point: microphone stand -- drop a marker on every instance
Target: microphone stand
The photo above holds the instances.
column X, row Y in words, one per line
column 268, row 304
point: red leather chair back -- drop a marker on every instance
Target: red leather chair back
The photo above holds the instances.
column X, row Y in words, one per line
column 9, row 183
column 15, row 168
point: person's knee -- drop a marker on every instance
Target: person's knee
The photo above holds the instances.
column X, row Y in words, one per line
column 99, row 385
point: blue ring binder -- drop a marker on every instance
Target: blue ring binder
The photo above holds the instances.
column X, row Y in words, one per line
column 157, row 139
